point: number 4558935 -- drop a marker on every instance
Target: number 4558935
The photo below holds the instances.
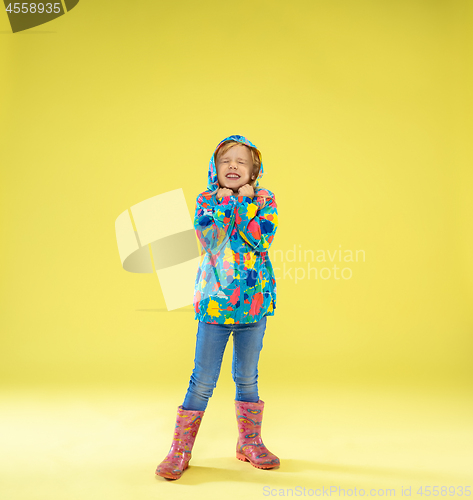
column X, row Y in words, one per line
column 444, row 491
column 33, row 8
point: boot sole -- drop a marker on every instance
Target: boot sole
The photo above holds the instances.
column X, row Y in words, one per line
column 244, row 458
column 169, row 475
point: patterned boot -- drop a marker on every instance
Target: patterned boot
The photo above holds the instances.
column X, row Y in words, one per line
column 250, row 447
column 177, row 460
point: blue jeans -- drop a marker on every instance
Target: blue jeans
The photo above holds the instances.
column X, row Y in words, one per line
column 210, row 346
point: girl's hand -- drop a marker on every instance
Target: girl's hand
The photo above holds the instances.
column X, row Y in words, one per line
column 246, row 190
column 224, row 192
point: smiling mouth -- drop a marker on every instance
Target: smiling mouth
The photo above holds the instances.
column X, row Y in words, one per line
column 232, row 176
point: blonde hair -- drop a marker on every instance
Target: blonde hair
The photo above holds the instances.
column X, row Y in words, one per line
column 255, row 155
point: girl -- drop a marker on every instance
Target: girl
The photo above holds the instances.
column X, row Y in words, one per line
column 235, row 290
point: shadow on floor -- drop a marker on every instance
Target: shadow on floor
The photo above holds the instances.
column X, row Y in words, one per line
column 294, row 472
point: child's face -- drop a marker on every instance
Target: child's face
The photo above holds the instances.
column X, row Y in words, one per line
column 235, row 168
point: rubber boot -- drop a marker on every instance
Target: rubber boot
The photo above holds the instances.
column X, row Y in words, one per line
column 250, row 447
column 177, row 460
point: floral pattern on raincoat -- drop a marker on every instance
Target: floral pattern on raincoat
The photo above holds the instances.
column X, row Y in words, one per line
column 235, row 282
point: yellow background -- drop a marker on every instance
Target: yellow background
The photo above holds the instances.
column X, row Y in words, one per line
column 362, row 111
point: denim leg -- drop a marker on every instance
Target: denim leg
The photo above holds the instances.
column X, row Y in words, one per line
column 209, row 349
column 247, row 345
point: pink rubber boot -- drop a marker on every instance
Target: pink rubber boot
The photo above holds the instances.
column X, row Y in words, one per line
column 177, row 460
column 250, row 447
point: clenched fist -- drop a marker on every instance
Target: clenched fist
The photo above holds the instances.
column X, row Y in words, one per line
column 223, row 192
column 246, row 190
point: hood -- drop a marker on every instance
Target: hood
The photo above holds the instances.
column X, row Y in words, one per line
column 212, row 181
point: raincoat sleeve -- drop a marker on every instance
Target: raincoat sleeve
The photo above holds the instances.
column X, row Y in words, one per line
column 257, row 226
column 214, row 221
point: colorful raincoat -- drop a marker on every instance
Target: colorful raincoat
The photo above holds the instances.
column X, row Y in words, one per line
column 235, row 281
